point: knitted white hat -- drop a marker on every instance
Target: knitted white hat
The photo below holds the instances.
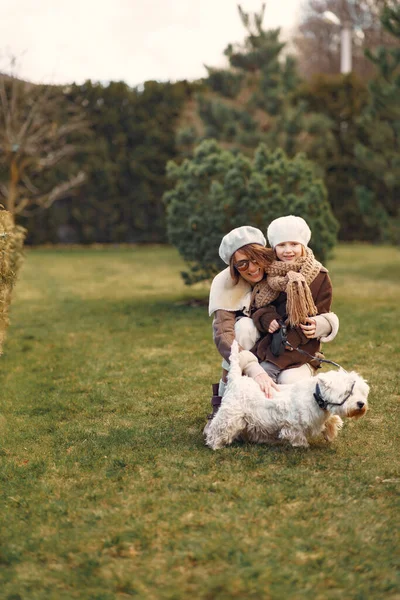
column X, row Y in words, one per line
column 239, row 237
column 288, row 229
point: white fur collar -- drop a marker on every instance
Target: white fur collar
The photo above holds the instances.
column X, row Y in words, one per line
column 224, row 295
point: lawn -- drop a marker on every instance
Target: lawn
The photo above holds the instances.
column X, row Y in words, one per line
column 106, row 488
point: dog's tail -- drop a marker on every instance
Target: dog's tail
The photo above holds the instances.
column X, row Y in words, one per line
column 235, row 368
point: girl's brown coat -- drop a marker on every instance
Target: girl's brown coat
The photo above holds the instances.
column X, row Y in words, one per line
column 321, row 290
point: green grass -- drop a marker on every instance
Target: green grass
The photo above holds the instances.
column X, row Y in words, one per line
column 107, row 490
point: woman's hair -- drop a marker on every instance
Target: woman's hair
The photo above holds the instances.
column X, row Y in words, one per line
column 259, row 254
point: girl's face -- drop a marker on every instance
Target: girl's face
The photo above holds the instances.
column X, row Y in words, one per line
column 288, row 251
column 250, row 271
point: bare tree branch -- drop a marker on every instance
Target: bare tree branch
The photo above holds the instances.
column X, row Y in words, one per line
column 57, row 193
column 36, row 125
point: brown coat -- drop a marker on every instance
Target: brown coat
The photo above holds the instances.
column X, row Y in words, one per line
column 321, row 290
column 224, row 331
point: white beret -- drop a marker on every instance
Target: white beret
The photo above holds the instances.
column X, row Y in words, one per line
column 239, row 237
column 288, row 229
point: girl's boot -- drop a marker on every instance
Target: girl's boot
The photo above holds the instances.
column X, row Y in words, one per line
column 215, row 404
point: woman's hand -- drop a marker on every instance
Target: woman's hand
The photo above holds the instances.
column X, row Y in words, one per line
column 266, row 384
column 309, row 327
column 273, row 326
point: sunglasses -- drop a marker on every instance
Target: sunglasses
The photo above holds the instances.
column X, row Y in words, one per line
column 243, row 265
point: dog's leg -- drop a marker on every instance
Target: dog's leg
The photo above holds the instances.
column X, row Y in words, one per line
column 332, row 427
column 295, row 436
column 224, row 429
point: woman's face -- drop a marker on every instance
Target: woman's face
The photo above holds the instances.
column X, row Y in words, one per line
column 288, row 251
column 252, row 272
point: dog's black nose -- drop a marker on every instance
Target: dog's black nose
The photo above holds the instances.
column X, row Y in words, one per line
column 360, row 405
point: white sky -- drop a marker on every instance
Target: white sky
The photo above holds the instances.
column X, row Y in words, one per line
column 63, row 41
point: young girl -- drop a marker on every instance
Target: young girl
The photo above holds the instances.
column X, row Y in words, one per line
column 298, row 292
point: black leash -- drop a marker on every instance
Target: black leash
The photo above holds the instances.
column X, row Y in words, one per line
column 325, row 360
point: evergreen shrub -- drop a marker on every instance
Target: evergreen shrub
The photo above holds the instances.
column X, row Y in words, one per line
column 218, row 190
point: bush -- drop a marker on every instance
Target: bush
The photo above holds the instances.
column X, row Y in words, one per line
column 218, row 190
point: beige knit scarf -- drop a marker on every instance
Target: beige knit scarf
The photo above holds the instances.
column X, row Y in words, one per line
column 294, row 278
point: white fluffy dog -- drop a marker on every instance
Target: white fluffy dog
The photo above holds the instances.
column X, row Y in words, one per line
column 297, row 412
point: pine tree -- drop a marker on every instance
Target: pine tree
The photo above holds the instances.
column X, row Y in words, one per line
column 379, row 147
column 218, row 190
column 330, row 132
column 320, row 117
column 248, row 100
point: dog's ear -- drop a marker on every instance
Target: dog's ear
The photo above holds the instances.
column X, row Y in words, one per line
column 324, row 391
column 324, row 382
column 360, row 383
column 333, row 385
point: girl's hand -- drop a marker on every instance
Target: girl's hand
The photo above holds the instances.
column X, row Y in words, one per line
column 266, row 384
column 309, row 327
column 273, row 326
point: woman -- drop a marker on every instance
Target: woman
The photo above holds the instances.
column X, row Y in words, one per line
column 243, row 249
column 234, row 298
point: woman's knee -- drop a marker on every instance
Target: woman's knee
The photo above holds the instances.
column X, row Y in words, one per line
column 246, row 333
column 297, row 374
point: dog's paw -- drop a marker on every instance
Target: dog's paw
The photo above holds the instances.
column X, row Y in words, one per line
column 295, row 437
column 214, row 445
column 332, row 427
column 336, row 420
column 300, row 443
